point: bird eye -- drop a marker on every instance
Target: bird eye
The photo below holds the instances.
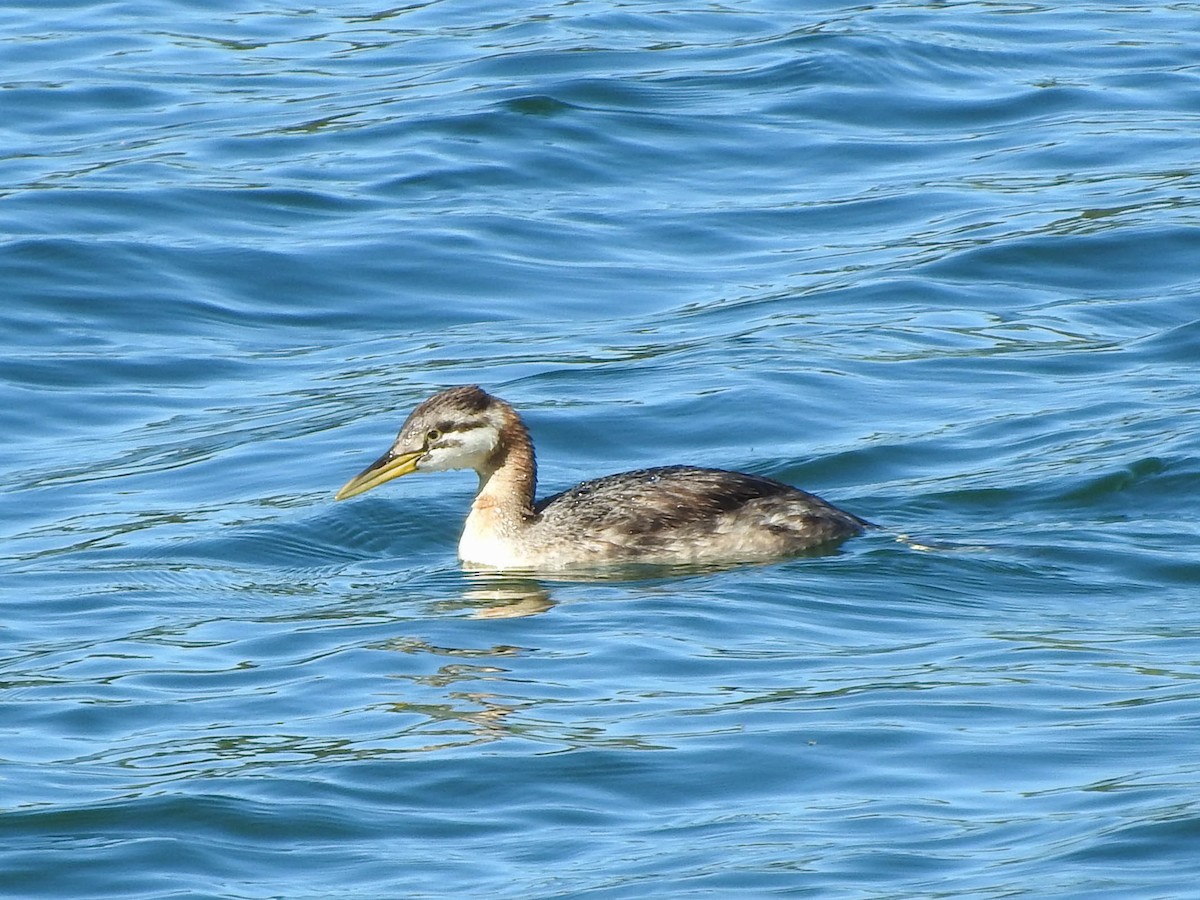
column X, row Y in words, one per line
column 432, row 435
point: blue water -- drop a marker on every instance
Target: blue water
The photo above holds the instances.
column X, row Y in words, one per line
column 938, row 263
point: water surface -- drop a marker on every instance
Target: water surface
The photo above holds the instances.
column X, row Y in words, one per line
column 936, row 263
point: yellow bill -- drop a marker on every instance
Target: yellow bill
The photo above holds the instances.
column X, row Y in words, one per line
column 384, row 469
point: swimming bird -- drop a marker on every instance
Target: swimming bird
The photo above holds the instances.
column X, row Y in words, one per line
column 665, row 515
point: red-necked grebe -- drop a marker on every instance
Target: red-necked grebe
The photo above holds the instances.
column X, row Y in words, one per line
column 666, row 515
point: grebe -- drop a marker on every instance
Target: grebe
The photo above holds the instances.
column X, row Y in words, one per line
column 666, row 515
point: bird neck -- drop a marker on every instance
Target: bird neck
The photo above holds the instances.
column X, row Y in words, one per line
column 508, row 479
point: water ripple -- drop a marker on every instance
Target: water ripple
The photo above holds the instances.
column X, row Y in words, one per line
column 935, row 264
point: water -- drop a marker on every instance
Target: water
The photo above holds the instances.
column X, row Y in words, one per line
column 937, row 263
